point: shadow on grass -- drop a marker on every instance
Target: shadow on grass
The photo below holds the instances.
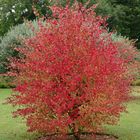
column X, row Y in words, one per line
column 83, row 136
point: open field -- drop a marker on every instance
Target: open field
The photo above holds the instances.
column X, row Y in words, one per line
column 15, row 129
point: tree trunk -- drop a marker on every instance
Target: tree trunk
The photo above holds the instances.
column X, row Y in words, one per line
column 76, row 136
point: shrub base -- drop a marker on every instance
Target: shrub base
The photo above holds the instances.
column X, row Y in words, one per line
column 85, row 136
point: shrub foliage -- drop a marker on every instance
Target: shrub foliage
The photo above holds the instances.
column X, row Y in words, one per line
column 72, row 78
column 12, row 40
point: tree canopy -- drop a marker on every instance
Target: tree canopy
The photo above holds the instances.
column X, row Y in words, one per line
column 13, row 12
column 124, row 17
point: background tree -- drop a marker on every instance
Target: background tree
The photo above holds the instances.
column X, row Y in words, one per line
column 13, row 39
column 13, row 12
column 124, row 16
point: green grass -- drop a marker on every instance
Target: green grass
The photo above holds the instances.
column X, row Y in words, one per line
column 129, row 125
column 11, row 128
column 15, row 129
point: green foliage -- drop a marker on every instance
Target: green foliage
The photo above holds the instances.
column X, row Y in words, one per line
column 7, row 44
column 11, row 40
column 13, row 12
column 124, row 16
column 6, row 82
column 136, row 83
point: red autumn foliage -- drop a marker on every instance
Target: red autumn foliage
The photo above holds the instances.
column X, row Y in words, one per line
column 72, row 77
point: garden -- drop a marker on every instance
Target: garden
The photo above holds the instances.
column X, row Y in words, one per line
column 69, row 70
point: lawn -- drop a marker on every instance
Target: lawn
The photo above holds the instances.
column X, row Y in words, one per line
column 15, row 129
column 129, row 125
column 11, row 128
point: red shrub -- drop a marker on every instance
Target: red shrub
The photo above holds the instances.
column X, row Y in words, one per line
column 72, row 77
